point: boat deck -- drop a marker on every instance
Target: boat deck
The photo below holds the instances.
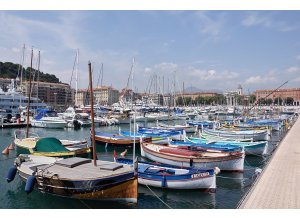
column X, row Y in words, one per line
column 277, row 187
column 70, row 169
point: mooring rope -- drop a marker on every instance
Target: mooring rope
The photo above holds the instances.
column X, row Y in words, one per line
column 159, row 198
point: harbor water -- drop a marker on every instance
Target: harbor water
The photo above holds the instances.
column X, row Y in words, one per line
column 231, row 187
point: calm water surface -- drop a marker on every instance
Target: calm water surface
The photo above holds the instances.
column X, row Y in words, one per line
column 231, row 187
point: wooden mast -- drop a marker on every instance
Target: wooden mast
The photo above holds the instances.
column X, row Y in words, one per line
column 92, row 115
column 29, row 92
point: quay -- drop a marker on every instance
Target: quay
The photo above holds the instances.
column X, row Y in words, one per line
column 278, row 185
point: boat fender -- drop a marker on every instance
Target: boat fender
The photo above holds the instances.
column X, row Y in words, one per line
column 30, row 184
column 11, row 173
column 163, row 182
column 191, row 162
column 217, row 170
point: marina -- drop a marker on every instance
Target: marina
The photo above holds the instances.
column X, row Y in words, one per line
column 230, row 186
column 149, row 110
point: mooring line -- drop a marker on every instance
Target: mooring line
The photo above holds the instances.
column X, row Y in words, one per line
column 159, row 198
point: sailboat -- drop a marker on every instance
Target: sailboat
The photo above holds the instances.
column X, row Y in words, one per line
column 79, row 178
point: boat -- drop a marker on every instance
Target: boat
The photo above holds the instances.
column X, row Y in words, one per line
column 77, row 178
column 47, row 118
column 250, row 148
column 255, row 135
column 80, row 178
column 13, row 101
column 181, row 157
column 170, row 177
column 116, row 139
column 50, row 146
column 186, row 128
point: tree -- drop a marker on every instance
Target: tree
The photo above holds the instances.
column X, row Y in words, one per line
column 252, row 99
column 277, row 101
column 261, row 101
column 289, row 101
column 269, row 101
column 179, row 101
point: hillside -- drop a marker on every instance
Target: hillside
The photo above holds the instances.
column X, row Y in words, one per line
column 10, row 70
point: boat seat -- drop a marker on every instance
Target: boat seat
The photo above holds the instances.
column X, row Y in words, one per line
column 110, row 166
column 73, row 162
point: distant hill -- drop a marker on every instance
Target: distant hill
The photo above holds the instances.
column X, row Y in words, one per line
column 193, row 89
column 10, row 70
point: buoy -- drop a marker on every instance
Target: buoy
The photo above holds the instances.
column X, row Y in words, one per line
column 123, row 154
column 11, row 147
column 5, row 151
column 115, row 156
column 217, row 170
column 11, row 173
column 29, row 184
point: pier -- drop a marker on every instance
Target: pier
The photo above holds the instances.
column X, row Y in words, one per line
column 278, row 185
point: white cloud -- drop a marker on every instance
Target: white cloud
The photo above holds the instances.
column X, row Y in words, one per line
column 166, row 67
column 260, row 79
column 255, row 19
column 296, row 79
column 293, row 69
column 212, row 74
column 211, row 26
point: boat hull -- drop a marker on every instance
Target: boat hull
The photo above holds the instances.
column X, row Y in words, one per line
column 43, row 124
column 232, row 163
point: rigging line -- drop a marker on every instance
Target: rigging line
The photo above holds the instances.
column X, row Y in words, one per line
column 85, row 204
column 73, row 69
column 264, row 98
column 159, row 198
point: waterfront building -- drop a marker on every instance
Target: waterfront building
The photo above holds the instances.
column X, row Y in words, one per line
column 153, row 99
column 103, row 95
column 282, row 94
column 234, row 98
column 194, row 95
column 58, row 95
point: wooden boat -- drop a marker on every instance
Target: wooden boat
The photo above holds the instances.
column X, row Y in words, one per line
column 227, row 161
column 170, row 177
column 218, row 138
column 78, row 178
column 250, row 148
column 186, row 128
column 50, row 146
column 116, row 139
column 255, row 135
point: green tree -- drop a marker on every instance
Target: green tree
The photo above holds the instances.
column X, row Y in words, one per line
column 252, row 99
column 278, row 101
column 289, row 101
column 261, row 101
column 269, row 101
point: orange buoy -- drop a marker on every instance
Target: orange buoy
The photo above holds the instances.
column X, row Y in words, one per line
column 5, row 151
column 11, row 147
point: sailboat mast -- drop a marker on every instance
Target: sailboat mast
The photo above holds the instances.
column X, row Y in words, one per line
column 92, row 114
column 38, row 76
column 29, row 92
column 76, row 84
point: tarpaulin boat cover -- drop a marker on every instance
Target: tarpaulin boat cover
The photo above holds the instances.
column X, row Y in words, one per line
column 49, row 144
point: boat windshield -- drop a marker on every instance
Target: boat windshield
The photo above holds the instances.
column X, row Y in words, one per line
column 51, row 114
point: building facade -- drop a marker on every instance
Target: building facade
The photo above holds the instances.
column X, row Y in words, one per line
column 57, row 95
column 280, row 93
column 193, row 96
column 103, row 95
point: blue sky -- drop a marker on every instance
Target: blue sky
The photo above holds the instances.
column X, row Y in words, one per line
column 205, row 49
